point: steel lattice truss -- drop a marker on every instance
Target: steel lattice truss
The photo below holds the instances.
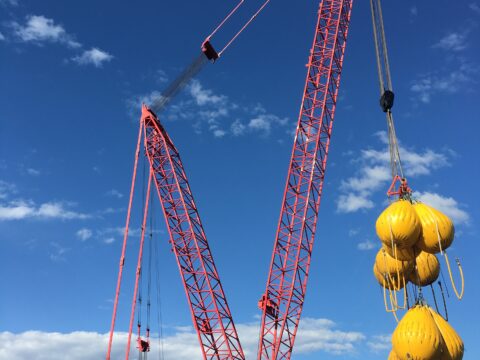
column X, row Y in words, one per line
column 287, row 280
column 210, row 313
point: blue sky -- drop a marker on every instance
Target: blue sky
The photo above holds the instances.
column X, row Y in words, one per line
column 72, row 79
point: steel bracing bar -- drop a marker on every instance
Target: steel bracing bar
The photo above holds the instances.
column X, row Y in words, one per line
column 210, row 312
column 287, row 279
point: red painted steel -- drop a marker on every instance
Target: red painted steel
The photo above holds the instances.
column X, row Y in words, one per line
column 125, row 239
column 285, row 291
column 210, row 312
column 139, row 268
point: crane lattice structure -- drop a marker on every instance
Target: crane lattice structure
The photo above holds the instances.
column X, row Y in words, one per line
column 282, row 302
column 211, row 315
column 284, row 296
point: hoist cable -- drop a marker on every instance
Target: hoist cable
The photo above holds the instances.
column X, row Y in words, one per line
column 385, row 83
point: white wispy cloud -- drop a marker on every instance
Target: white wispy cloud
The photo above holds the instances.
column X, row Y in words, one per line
column 2, row 37
column 84, row 234
column 373, row 173
column 33, row 172
column 444, row 81
column 453, row 41
column 413, row 11
column 57, row 252
column 214, row 112
column 475, row 7
column 6, row 189
column 447, row 205
column 315, row 336
column 21, row 209
column 94, row 56
column 114, row 193
column 203, row 96
column 39, row 29
column 380, row 343
column 9, row 2
column 367, row 245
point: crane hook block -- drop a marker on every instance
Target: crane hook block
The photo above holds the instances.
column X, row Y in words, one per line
column 386, row 100
column 209, row 51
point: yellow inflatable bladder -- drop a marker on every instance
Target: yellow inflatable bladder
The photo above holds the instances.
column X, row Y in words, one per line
column 426, row 270
column 399, row 225
column 393, row 356
column 388, row 265
column 417, row 336
column 453, row 342
column 406, row 254
column 437, row 229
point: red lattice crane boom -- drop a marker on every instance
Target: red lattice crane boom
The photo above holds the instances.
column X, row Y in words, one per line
column 283, row 299
column 211, row 315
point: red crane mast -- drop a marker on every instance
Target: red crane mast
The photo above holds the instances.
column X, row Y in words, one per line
column 211, row 315
column 283, row 299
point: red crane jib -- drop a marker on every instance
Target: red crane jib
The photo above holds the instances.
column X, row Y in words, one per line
column 210, row 312
column 287, row 279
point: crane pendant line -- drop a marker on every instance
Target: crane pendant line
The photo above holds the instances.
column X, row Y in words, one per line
column 283, row 299
column 211, row 315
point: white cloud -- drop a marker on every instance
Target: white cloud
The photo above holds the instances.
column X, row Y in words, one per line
column 94, row 56
column 263, row 122
column 2, row 37
column 348, row 203
column 315, row 336
column 84, row 234
column 414, row 11
column 39, row 29
column 453, row 41
column 57, row 253
column 9, row 2
column 447, row 205
column 204, row 96
column 367, row 245
column 380, row 343
column 374, row 173
column 448, row 82
column 6, row 189
column 161, row 76
column 20, row 209
column 213, row 111
column 33, row 172
column 475, row 7
column 237, row 128
column 114, row 193
column 109, row 240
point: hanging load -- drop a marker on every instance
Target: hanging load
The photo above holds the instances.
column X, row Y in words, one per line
column 406, row 254
column 423, row 334
column 390, row 282
column 437, row 229
column 391, row 273
column 453, row 342
column 426, row 270
column 398, row 225
column 393, row 356
column 417, row 336
column 388, row 265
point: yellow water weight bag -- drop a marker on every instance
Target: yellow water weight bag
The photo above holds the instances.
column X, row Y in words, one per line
column 417, row 336
column 399, row 225
column 426, row 270
column 388, row 265
column 453, row 342
column 406, row 254
column 437, row 229
column 393, row 356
